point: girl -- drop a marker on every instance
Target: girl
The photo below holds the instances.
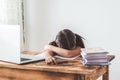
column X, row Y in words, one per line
column 66, row 44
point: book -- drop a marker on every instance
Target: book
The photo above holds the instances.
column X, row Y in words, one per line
column 94, row 56
column 97, row 60
column 93, row 51
column 56, row 56
column 65, row 58
column 98, row 64
column 84, row 62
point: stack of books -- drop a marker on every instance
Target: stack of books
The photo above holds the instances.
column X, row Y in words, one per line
column 94, row 56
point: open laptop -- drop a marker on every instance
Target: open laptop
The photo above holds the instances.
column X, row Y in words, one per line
column 10, row 45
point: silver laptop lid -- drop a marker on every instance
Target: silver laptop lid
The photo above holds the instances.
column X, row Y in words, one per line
column 10, row 43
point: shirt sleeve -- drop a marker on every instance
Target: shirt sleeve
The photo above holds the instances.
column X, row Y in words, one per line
column 79, row 41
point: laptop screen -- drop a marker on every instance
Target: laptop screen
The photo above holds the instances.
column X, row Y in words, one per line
column 10, row 43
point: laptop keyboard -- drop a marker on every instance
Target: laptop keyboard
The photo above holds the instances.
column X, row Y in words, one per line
column 25, row 59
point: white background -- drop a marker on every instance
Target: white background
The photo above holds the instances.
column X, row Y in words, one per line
column 98, row 21
column 8, row 9
column 11, row 14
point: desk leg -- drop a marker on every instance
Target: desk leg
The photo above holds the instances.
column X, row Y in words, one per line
column 106, row 75
column 90, row 78
column 86, row 77
column 79, row 77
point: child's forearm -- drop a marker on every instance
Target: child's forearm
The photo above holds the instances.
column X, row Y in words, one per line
column 49, row 52
column 65, row 52
column 60, row 51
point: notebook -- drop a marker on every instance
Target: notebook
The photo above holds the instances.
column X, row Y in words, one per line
column 10, row 46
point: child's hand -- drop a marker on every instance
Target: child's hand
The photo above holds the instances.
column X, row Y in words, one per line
column 50, row 59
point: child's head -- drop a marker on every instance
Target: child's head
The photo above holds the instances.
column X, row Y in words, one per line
column 66, row 39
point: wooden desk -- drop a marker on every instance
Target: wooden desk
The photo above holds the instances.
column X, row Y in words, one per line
column 40, row 71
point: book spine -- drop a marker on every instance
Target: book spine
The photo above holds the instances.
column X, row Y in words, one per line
column 102, row 63
column 105, row 60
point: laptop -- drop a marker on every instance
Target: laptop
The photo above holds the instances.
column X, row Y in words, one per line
column 10, row 46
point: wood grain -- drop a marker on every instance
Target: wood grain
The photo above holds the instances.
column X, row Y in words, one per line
column 70, row 70
column 33, row 75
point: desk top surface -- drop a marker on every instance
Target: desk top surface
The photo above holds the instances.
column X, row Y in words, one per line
column 74, row 66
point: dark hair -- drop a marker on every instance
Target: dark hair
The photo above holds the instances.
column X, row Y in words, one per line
column 67, row 39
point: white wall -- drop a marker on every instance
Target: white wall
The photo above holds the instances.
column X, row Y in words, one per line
column 96, row 20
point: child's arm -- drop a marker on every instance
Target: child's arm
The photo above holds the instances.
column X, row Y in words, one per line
column 49, row 57
column 64, row 52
